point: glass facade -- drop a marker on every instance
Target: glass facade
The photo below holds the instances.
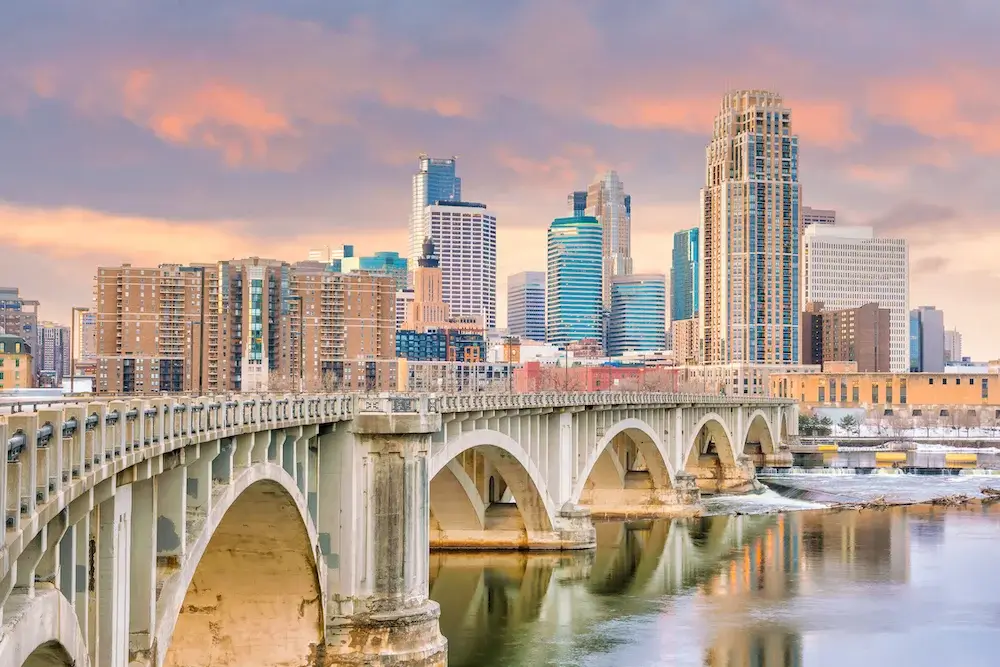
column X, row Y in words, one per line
column 526, row 305
column 385, row 263
column 428, row 346
column 435, row 180
column 684, row 276
column 638, row 314
column 574, row 284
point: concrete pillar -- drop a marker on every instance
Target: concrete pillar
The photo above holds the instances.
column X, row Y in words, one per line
column 142, row 575
column 390, row 620
column 114, row 555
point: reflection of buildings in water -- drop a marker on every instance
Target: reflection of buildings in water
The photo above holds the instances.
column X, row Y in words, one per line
column 875, row 543
column 755, row 646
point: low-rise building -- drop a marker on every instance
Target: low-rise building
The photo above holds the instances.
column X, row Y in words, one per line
column 15, row 363
column 887, row 390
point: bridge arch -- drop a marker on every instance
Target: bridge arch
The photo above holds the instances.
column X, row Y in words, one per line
column 531, row 495
column 760, row 430
column 649, row 444
column 45, row 633
column 252, row 569
column 712, row 429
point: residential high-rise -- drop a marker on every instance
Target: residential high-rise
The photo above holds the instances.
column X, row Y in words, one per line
column 684, row 335
column 684, row 276
column 952, row 345
column 818, row 216
column 606, row 200
column 927, row 340
column 749, row 237
column 434, row 181
column 847, row 267
column 574, row 280
column 857, row 335
column 383, row 263
column 638, row 314
column 242, row 325
column 85, row 332
column 19, row 317
column 465, row 240
column 526, row 305
column 404, row 305
column 428, row 309
column 53, row 356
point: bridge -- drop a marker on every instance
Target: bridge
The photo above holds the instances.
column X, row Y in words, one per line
column 292, row 530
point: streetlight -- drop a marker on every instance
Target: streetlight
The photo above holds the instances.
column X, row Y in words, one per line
column 72, row 346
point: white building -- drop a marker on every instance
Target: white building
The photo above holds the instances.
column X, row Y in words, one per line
column 607, row 201
column 465, row 237
column 952, row 345
column 526, row 305
column 847, row 267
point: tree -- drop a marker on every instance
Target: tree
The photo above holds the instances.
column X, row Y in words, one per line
column 807, row 424
column 849, row 424
column 824, row 426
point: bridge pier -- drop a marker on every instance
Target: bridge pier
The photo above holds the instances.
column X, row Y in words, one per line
column 642, row 498
column 379, row 612
column 713, row 476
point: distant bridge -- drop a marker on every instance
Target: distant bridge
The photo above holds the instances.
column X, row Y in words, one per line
column 188, row 531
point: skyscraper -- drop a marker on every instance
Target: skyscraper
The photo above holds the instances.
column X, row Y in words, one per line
column 577, row 201
column 428, row 309
column 638, row 314
column 847, row 267
column 383, row 263
column 926, row 340
column 526, row 305
column 684, row 276
column 465, row 238
column 952, row 345
column 435, row 180
column 573, row 296
column 749, row 237
column 607, row 201
column 19, row 317
column 53, row 357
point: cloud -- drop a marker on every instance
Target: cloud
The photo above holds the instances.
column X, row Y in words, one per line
column 914, row 215
column 932, row 264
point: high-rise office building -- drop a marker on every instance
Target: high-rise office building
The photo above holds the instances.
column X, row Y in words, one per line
column 434, row 181
column 85, row 335
column 53, row 359
column 749, row 301
column 927, row 340
column 818, row 216
column 684, row 276
column 607, row 201
column 383, row 263
column 574, row 278
column 952, row 345
column 577, row 202
column 847, row 267
column 526, row 305
column 638, row 314
column 465, row 241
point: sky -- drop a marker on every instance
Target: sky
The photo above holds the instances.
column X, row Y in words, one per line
column 180, row 131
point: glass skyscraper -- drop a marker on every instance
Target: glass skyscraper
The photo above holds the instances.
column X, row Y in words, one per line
column 684, row 276
column 750, row 222
column 434, row 181
column 384, row 262
column 607, row 201
column 526, row 305
column 638, row 314
column 573, row 298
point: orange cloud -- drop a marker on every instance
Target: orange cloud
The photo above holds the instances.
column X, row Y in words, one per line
column 823, row 123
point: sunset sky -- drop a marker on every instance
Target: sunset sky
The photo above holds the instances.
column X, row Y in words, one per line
column 148, row 132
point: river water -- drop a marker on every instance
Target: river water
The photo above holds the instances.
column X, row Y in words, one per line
column 811, row 587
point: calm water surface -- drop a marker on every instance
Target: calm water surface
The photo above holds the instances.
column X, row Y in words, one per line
column 907, row 586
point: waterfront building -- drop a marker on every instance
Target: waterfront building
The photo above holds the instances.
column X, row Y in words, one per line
column 857, row 335
column 848, row 267
column 927, row 340
column 526, row 305
column 465, row 242
column 638, row 314
column 15, row 363
column 574, row 280
column 952, row 346
column 684, row 276
column 749, row 236
column 435, row 180
column 382, row 263
column 818, row 216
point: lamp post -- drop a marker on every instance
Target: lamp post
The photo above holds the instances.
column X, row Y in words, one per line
column 72, row 346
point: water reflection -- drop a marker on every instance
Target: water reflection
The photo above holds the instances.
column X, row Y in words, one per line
column 725, row 591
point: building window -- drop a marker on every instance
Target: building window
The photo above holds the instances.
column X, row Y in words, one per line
column 930, row 381
column 971, row 381
column 902, row 391
column 985, row 388
column 855, row 392
column 822, row 395
column 888, row 393
column 874, row 393
column 833, row 391
column 843, row 391
column 944, row 380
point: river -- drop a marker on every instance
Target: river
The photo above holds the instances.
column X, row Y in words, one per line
column 915, row 586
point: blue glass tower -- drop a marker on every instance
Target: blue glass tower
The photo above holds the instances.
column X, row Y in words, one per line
column 435, row 180
column 574, row 280
column 638, row 314
column 684, row 276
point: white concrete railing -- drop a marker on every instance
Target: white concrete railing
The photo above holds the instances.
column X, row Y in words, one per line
column 472, row 401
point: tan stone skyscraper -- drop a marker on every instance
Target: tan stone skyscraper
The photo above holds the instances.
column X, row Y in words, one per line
column 750, row 222
column 606, row 200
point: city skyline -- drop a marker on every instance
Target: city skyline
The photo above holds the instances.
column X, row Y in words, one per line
column 140, row 151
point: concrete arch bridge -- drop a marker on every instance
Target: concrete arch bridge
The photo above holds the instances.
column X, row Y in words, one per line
column 180, row 531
